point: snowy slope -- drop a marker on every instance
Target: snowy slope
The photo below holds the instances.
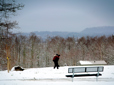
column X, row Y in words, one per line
column 50, row 75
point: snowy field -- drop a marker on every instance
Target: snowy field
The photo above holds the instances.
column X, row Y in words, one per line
column 48, row 76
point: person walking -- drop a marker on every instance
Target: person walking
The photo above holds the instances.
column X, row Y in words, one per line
column 55, row 60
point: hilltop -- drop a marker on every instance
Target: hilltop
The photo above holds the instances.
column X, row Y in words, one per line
column 93, row 31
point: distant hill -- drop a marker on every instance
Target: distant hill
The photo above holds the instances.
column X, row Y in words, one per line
column 94, row 31
column 98, row 31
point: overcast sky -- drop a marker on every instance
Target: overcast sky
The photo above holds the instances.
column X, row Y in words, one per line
column 64, row 15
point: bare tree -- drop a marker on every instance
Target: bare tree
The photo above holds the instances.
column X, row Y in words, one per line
column 7, row 9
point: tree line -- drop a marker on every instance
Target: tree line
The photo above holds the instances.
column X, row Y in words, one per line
column 34, row 52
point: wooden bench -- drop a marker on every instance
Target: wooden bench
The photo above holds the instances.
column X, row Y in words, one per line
column 85, row 71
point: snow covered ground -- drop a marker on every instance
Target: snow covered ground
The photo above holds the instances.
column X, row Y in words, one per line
column 48, row 76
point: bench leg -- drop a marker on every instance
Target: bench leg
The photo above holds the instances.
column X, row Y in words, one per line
column 73, row 75
column 97, row 75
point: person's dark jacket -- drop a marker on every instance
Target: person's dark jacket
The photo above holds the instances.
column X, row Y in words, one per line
column 56, row 58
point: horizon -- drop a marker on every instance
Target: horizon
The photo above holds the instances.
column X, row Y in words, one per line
column 101, row 27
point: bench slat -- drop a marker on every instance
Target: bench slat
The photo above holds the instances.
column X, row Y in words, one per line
column 83, row 75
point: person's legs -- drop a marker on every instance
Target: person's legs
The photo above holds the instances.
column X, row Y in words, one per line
column 57, row 65
column 54, row 65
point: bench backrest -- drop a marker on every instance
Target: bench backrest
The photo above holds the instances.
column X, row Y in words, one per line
column 85, row 69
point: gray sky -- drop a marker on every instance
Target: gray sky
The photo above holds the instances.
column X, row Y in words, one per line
column 64, row 15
